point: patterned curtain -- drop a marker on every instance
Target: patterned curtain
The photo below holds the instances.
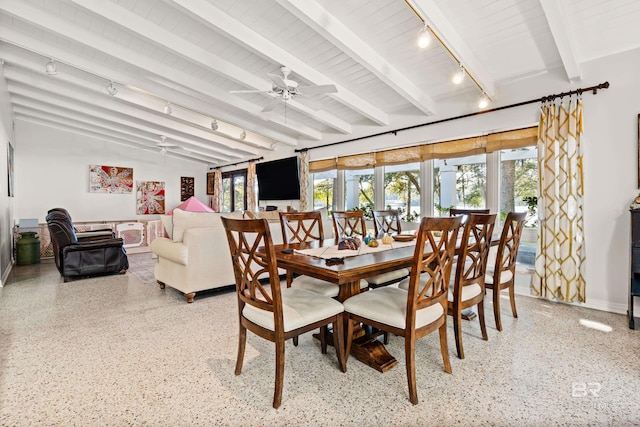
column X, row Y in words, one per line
column 560, row 256
column 252, row 199
column 304, row 181
column 217, row 191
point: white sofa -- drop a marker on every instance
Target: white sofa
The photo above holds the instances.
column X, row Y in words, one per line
column 196, row 257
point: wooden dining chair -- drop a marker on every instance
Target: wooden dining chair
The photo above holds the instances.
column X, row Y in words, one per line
column 468, row 287
column 466, row 212
column 266, row 309
column 307, row 227
column 386, row 221
column 349, row 224
column 421, row 309
column 501, row 273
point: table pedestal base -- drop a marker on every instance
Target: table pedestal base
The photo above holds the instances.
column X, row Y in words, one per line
column 372, row 352
column 368, row 350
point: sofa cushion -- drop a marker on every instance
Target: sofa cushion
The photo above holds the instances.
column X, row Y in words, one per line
column 183, row 220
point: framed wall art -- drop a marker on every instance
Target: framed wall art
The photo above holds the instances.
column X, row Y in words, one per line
column 211, row 182
column 186, row 187
column 110, row 179
column 150, row 197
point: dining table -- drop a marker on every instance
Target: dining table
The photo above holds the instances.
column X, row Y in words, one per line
column 316, row 259
column 347, row 274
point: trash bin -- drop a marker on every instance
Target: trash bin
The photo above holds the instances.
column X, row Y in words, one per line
column 28, row 248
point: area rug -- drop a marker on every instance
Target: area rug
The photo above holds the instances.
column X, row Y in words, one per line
column 141, row 266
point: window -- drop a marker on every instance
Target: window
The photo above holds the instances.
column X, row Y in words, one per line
column 234, row 190
column 519, row 182
column 323, row 190
column 402, row 190
column 358, row 190
column 459, row 183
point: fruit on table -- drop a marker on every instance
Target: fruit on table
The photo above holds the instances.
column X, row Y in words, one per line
column 373, row 243
column 386, row 239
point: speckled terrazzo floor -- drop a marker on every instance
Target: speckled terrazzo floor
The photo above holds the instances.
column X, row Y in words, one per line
column 114, row 351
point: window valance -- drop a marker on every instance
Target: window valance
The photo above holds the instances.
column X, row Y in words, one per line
column 440, row 150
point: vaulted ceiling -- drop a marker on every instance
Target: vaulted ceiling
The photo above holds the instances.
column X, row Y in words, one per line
column 192, row 56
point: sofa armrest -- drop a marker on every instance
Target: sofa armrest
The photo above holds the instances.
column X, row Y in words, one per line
column 168, row 249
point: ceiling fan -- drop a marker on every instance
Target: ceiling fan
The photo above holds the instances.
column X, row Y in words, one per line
column 163, row 145
column 285, row 89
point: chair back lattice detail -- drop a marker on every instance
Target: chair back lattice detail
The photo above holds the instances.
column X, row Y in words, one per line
column 386, row 221
column 245, row 237
column 475, row 244
column 349, row 224
column 433, row 260
column 510, row 242
column 301, row 226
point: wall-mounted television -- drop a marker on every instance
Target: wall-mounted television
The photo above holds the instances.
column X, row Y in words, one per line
column 278, row 179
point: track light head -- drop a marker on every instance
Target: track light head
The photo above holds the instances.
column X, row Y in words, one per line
column 167, row 108
column 458, row 76
column 424, row 37
column 214, row 124
column 111, row 89
column 50, row 68
column 483, row 102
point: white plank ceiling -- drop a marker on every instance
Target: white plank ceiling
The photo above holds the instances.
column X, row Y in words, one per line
column 193, row 53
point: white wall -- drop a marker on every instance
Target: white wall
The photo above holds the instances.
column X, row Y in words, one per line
column 52, row 170
column 610, row 142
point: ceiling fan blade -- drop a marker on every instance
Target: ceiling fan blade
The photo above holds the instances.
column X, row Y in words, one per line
column 271, row 105
column 315, row 90
column 248, row 91
column 278, row 81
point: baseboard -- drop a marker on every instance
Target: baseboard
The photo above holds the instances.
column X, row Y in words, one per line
column 523, row 287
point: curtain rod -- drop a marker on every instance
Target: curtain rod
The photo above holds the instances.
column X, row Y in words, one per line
column 593, row 89
column 237, row 163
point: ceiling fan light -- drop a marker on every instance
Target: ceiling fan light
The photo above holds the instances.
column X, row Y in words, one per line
column 483, row 102
column 424, row 37
column 111, row 89
column 50, row 68
column 458, row 76
column 214, row 124
column 167, row 108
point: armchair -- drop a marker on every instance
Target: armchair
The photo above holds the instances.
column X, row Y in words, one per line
column 76, row 258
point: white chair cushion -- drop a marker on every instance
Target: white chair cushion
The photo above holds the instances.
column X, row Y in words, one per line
column 468, row 292
column 388, row 305
column 505, row 276
column 388, row 277
column 319, row 286
column 300, row 308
